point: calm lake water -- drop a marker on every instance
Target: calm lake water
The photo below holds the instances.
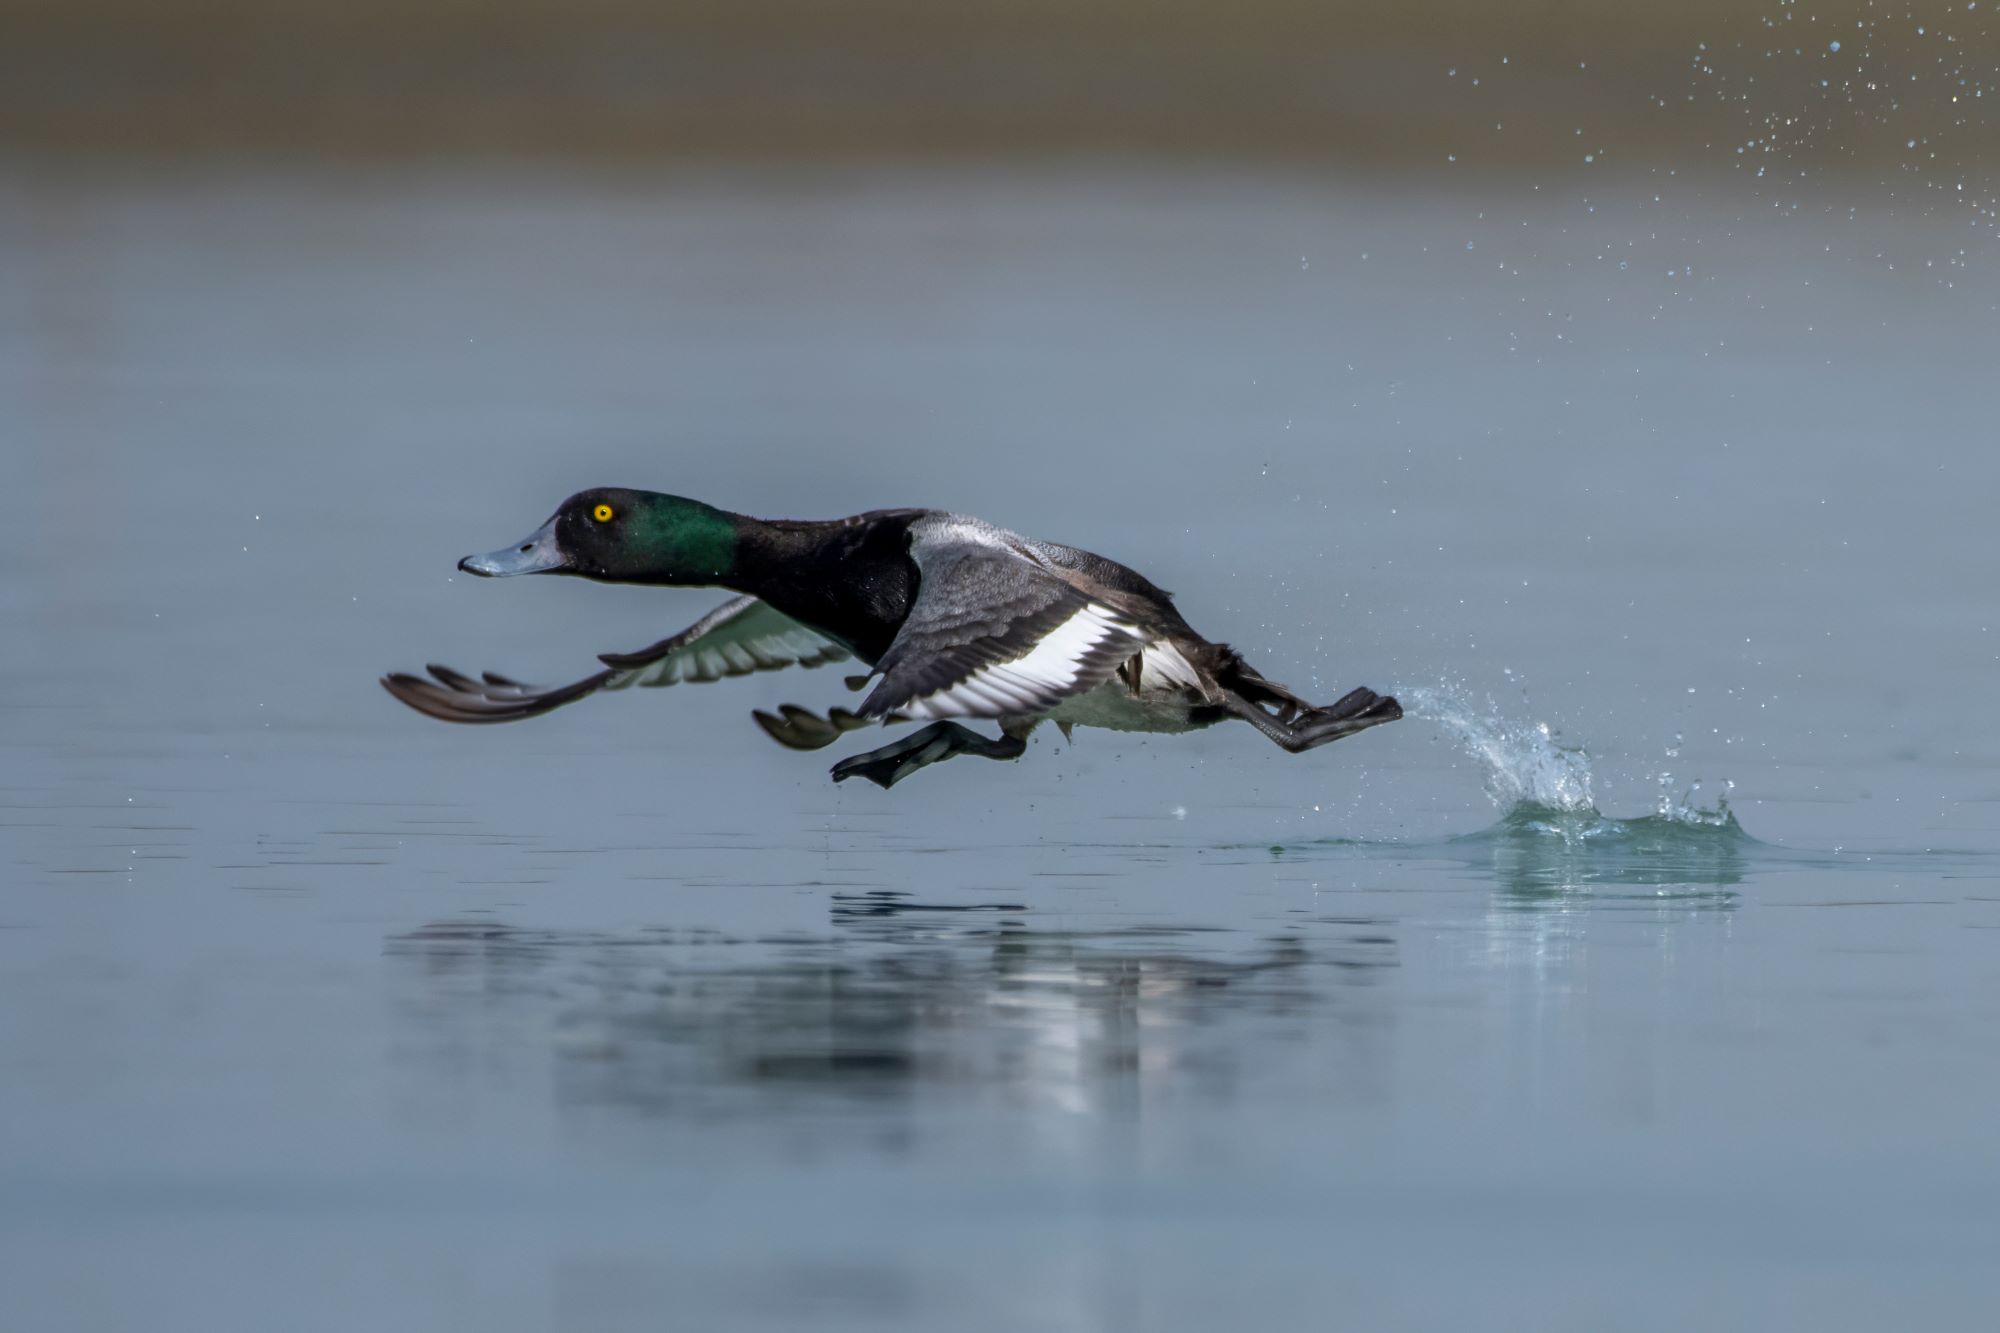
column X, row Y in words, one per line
column 316, row 1014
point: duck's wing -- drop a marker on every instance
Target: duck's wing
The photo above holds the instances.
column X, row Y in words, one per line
column 994, row 631
column 740, row 636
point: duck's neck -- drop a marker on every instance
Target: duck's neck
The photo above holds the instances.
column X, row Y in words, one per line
column 851, row 579
column 767, row 555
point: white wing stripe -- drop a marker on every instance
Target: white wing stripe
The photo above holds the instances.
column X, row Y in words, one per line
column 1022, row 686
column 1161, row 667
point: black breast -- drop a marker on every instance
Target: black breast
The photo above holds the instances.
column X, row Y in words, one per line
column 852, row 578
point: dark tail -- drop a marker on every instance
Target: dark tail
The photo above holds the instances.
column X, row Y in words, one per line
column 1243, row 680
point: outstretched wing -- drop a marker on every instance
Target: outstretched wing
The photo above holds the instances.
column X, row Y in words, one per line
column 994, row 632
column 740, row 636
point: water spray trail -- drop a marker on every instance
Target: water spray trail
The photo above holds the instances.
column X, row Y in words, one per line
column 1525, row 766
column 1551, row 838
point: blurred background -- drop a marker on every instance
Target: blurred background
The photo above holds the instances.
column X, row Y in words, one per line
column 1541, row 83
column 1614, row 382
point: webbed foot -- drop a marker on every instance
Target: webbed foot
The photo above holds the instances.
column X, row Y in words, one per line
column 889, row 765
column 798, row 728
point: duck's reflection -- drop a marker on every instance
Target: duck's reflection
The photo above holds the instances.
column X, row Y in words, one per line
column 901, row 998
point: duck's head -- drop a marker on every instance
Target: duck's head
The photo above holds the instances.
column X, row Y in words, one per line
column 621, row 536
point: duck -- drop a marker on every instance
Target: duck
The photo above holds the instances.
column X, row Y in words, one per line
column 957, row 621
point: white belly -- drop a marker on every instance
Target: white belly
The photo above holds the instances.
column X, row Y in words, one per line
column 1115, row 708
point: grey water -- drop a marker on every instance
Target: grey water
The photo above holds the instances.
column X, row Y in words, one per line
column 1646, row 976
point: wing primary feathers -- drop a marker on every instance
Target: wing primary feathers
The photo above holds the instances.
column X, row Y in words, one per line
column 456, row 698
column 740, row 636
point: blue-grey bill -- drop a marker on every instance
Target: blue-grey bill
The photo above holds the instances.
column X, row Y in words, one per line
column 537, row 554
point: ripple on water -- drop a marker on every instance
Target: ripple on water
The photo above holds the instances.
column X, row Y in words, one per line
column 1534, row 850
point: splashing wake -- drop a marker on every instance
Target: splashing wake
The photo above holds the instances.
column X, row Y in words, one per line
column 1543, row 790
column 1525, row 766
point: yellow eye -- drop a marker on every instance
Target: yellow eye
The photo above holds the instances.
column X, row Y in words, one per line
column 603, row 513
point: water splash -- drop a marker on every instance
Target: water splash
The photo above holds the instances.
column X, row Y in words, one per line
column 1552, row 848
column 1543, row 790
column 1536, row 854
column 1684, row 807
column 1525, row 764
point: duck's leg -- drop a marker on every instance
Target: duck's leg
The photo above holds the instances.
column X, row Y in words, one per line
column 1355, row 711
column 797, row 728
column 934, row 744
